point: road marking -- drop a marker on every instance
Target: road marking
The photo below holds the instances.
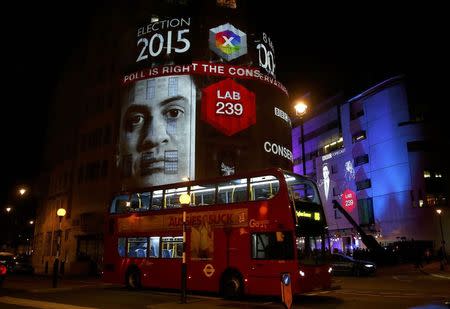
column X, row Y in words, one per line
column 403, row 280
column 38, row 303
column 439, row 276
column 389, row 294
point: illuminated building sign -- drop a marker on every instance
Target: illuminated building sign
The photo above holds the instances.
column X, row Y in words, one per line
column 228, row 107
column 348, row 200
column 163, row 37
column 278, row 150
column 266, row 55
column 186, row 112
column 282, row 115
column 227, row 41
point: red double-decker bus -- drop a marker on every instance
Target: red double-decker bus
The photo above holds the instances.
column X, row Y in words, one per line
column 242, row 233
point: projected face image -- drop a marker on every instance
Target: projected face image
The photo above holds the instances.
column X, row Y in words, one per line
column 157, row 134
column 325, row 172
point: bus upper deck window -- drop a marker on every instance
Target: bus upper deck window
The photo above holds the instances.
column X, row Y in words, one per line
column 120, row 204
column 263, row 188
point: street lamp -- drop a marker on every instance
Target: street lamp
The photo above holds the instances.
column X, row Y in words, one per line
column 300, row 111
column 444, row 254
column 61, row 212
column 185, row 200
column 8, row 209
column 22, row 191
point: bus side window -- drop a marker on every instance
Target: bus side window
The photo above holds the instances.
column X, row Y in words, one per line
column 154, row 247
column 146, row 198
column 172, row 247
column 137, row 247
column 264, row 188
column 157, row 200
column 121, row 246
column 120, row 204
column 233, row 191
column 203, row 195
column 135, row 202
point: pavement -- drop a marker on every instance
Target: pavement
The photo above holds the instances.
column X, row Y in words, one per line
column 436, row 269
column 43, row 284
column 432, row 268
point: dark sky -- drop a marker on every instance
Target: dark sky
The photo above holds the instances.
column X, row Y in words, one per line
column 320, row 50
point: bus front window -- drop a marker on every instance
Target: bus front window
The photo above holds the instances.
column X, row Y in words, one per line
column 309, row 218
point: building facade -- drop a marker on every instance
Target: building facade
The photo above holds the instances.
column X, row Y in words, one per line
column 380, row 162
column 159, row 91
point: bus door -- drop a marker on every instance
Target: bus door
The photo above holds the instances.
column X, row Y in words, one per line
column 272, row 253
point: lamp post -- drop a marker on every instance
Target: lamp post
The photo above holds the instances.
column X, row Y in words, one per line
column 185, row 200
column 60, row 213
column 300, row 111
column 444, row 254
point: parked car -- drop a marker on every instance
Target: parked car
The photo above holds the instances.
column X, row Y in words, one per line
column 343, row 264
column 3, row 271
column 7, row 259
column 22, row 265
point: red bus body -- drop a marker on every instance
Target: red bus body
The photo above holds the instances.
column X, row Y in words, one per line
column 233, row 226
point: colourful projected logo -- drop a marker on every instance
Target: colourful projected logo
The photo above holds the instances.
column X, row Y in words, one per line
column 228, row 42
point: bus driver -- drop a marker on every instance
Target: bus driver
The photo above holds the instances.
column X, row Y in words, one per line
column 157, row 131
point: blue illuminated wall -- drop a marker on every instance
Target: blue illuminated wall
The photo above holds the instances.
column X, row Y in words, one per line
column 375, row 124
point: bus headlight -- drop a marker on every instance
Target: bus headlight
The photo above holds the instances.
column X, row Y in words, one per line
column 330, row 270
column 301, row 273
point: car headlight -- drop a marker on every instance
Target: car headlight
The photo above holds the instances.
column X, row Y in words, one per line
column 301, row 273
column 368, row 265
column 330, row 270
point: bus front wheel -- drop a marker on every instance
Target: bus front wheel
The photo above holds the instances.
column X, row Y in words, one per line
column 232, row 285
column 133, row 278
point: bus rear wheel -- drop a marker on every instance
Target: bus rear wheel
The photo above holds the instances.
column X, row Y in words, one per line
column 232, row 285
column 133, row 278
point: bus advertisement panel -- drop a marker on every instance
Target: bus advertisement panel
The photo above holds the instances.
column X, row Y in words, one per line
column 242, row 233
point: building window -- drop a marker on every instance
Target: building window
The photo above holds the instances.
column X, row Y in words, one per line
column 356, row 109
column 67, row 235
column 107, row 135
column 363, row 184
column 334, row 169
column 359, row 136
column 360, row 160
column 356, row 114
column 48, row 243
column 104, row 168
column 335, row 192
column 126, row 165
column 415, row 146
column 337, row 144
column 337, row 214
column 365, row 211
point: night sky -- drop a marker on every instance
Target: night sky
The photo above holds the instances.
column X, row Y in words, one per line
column 322, row 50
